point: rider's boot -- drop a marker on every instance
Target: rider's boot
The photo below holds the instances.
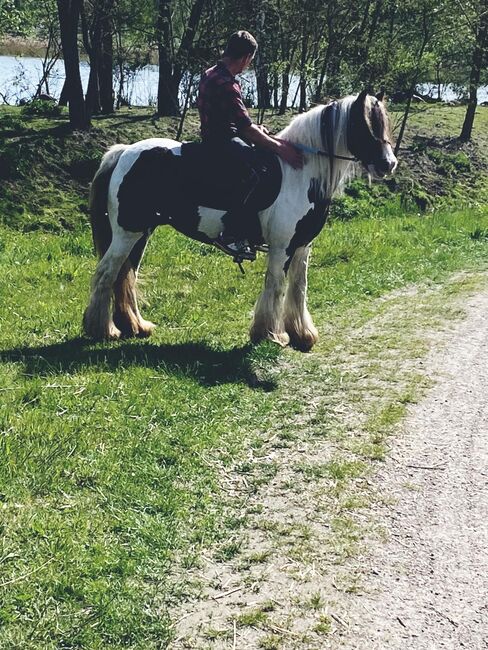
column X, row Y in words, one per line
column 231, row 240
column 238, row 248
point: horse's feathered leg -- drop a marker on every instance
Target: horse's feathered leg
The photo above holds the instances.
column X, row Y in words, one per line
column 268, row 313
column 298, row 322
column 97, row 321
column 127, row 317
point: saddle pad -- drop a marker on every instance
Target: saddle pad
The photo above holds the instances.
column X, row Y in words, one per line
column 218, row 177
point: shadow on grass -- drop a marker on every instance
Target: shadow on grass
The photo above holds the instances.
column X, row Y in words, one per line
column 247, row 364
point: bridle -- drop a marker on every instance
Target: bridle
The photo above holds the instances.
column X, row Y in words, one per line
column 326, row 128
column 321, row 152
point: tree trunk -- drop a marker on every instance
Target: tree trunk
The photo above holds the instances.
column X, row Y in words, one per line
column 172, row 66
column 262, row 84
column 106, row 61
column 97, row 39
column 426, row 36
column 285, row 89
column 474, row 77
column 260, row 61
column 64, row 96
column 69, row 15
column 91, row 42
column 303, row 75
column 317, row 97
column 275, row 91
column 92, row 97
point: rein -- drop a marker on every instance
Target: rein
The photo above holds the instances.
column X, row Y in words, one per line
column 320, row 152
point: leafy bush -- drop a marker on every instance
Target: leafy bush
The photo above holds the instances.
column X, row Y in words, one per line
column 416, row 197
column 344, row 208
column 449, row 163
column 41, row 108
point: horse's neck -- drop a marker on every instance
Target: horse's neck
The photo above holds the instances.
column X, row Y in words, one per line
column 321, row 174
column 329, row 174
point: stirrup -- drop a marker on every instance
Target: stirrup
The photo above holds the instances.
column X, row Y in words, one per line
column 240, row 253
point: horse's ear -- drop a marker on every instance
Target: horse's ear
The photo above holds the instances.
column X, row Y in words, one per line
column 381, row 95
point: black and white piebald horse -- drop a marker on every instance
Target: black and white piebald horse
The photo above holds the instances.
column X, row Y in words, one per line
column 142, row 185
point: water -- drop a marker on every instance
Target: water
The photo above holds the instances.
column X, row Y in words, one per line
column 20, row 76
column 449, row 93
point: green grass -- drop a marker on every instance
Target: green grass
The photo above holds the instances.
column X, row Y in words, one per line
column 113, row 454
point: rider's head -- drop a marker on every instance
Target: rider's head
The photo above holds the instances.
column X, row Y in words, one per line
column 241, row 47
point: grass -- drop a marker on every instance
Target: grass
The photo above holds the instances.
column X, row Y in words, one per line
column 113, row 455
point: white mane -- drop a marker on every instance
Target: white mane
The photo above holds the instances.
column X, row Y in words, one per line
column 305, row 129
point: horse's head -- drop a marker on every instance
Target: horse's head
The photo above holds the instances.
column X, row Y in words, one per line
column 368, row 135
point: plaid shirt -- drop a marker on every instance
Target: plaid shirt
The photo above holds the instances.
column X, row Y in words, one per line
column 222, row 111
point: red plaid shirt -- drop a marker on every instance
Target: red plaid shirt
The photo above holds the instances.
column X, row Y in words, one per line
column 222, row 111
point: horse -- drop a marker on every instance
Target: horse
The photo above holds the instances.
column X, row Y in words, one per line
column 133, row 191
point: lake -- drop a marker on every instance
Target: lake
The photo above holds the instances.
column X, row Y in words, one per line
column 19, row 77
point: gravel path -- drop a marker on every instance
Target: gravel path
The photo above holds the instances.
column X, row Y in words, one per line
column 290, row 587
column 427, row 587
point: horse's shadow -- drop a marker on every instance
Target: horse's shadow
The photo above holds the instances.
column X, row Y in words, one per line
column 198, row 361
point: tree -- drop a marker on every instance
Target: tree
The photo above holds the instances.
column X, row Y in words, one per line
column 261, row 66
column 479, row 58
column 425, row 31
column 96, row 20
column 69, row 17
column 47, row 22
column 174, row 59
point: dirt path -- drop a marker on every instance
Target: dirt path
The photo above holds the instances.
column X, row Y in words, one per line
column 427, row 588
column 292, row 578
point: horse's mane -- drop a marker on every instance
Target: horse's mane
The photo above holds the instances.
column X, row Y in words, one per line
column 306, row 129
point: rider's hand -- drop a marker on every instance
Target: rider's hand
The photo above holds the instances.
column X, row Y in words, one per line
column 291, row 155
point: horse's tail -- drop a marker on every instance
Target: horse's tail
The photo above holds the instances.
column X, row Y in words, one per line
column 101, row 231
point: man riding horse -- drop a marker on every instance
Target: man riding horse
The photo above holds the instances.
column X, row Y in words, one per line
column 228, row 130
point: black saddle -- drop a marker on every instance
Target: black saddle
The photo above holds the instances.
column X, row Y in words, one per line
column 223, row 176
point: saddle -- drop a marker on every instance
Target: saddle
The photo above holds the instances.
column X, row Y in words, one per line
column 221, row 177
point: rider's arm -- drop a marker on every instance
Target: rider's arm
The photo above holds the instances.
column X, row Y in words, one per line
column 285, row 150
column 256, row 134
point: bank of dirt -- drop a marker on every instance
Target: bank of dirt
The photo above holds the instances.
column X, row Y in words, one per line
column 46, row 169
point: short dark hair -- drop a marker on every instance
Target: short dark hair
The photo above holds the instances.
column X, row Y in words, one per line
column 240, row 44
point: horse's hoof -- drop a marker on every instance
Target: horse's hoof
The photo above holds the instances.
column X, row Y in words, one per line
column 113, row 333
column 281, row 338
column 304, row 342
column 100, row 331
column 302, row 345
column 132, row 327
column 146, row 328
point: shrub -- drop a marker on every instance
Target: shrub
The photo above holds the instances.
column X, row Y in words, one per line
column 41, row 108
column 449, row 163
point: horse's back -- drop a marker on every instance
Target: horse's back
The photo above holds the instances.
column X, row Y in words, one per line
column 133, row 151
